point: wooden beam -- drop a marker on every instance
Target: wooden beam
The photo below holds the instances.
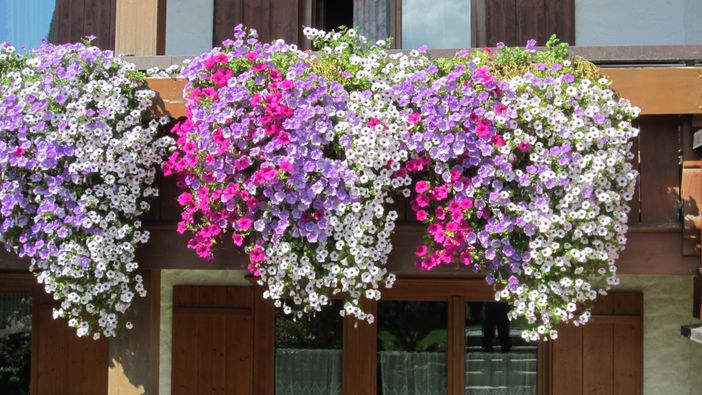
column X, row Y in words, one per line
column 140, row 27
column 656, row 90
column 659, row 90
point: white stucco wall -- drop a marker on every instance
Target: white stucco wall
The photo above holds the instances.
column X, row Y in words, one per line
column 671, row 362
column 169, row 278
column 638, row 22
column 189, row 26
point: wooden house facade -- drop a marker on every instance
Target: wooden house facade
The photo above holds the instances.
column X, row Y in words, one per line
column 204, row 327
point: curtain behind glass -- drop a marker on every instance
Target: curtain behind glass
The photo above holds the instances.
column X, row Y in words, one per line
column 508, row 373
column 307, row 372
column 373, row 18
column 25, row 22
column 413, row 373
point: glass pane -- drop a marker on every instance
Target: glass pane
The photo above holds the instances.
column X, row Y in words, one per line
column 412, row 342
column 25, row 22
column 15, row 343
column 189, row 26
column 498, row 360
column 635, row 22
column 308, row 353
column 438, row 24
column 372, row 18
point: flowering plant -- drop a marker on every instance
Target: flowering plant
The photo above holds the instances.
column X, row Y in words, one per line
column 522, row 160
column 295, row 153
column 517, row 160
column 76, row 163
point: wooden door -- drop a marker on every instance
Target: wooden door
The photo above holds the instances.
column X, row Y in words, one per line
column 212, row 340
column 605, row 356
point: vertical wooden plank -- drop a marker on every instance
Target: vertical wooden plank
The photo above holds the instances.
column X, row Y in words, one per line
column 530, row 21
column 628, row 345
column 567, row 361
column 60, row 23
column 543, row 368
column 76, row 15
column 87, row 367
column 598, row 359
column 52, row 353
column 99, row 18
column 68, row 364
column 264, row 344
column 659, row 147
column 240, row 357
column 456, row 346
column 227, row 14
column 285, row 21
column 257, row 15
column 136, row 30
column 211, row 353
column 359, row 362
column 184, row 373
column 305, row 13
column 628, row 360
column 501, row 19
column 559, row 18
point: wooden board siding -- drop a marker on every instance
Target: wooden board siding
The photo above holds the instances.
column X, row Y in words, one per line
column 140, row 27
column 68, row 364
column 76, row 19
column 605, row 356
column 213, row 340
column 516, row 21
column 272, row 19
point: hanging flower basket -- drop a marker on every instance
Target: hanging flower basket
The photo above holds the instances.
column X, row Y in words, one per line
column 77, row 159
column 515, row 160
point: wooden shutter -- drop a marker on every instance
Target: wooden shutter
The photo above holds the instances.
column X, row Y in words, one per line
column 605, row 356
column 75, row 19
column 516, row 21
column 273, row 19
column 65, row 363
column 212, row 340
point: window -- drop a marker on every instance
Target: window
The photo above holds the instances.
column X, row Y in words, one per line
column 15, row 343
column 412, row 348
column 308, row 353
column 189, row 26
column 438, row 24
column 497, row 359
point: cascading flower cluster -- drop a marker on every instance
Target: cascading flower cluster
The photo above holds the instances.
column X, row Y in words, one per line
column 522, row 162
column 294, row 154
column 77, row 159
column 516, row 162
